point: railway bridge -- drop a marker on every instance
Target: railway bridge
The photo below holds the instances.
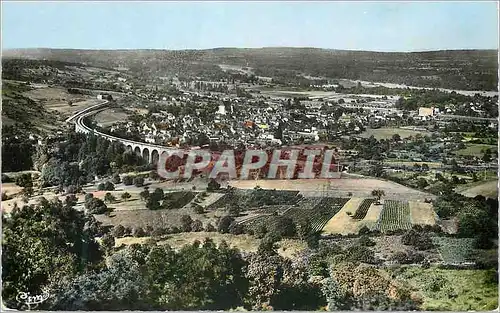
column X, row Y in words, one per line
column 149, row 152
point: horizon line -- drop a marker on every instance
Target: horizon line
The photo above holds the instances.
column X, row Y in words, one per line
column 254, row 48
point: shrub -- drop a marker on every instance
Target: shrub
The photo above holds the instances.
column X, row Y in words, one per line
column 186, row 222
column 197, row 226
column 6, row 179
column 357, row 253
column 224, row 223
column 139, row 181
column 158, row 232
column 109, row 186
column 364, row 230
column 198, row 209
column 125, row 196
column 101, row 187
column 409, row 257
column 128, row 180
column 96, row 206
column 24, row 180
column 109, row 198
column 118, row 231
column 72, row 189
column 236, row 229
column 116, row 179
column 419, row 240
column 138, row 232
column 5, row 196
column 366, row 241
column 210, row 228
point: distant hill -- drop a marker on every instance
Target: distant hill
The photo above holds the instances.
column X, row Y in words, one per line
column 453, row 69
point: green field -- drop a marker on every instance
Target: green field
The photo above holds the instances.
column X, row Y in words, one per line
column 386, row 133
column 475, row 149
column 452, row 290
column 486, row 189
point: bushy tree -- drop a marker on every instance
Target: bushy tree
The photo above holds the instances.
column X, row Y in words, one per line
column 224, row 223
column 96, row 206
column 128, row 180
column 125, row 196
column 45, row 243
column 139, row 181
column 186, row 223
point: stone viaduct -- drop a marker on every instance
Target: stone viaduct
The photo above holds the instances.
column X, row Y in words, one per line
column 150, row 152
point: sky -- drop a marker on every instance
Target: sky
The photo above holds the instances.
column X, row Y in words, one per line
column 375, row 26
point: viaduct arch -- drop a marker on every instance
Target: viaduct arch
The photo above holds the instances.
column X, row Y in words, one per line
column 149, row 152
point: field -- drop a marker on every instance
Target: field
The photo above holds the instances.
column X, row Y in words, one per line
column 486, row 189
column 395, row 215
column 422, row 213
column 387, row 133
column 110, row 116
column 359, row 187
column 363, row 209
column 286, row 247
column 342, row 223
column 317, row 211
column 454, row 250
column 452, row 290
column 475, row 149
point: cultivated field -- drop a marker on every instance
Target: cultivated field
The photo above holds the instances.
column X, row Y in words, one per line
column 486, row 189
column 475, row 149
column 394, row 216
column 387, row 133
column 287, row 247
column 361, row 187
column 110, row 116
column 422, row 213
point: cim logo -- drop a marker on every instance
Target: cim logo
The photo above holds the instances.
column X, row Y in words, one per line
column 32, row 300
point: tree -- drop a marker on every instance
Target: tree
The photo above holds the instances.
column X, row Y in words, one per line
column 224, row 223
column 157, row 194
column 234, row 211
column 96, row 206
column 378, row 193
column 144, row 195
column 210, row 228
column 425, row 167
column 25, row 180
column 138, row 181
column 197, row 226
column 125, row 196
column 108, row 243
column 213, row 185
column 198, row 209
column 92, row 291
column 45, row 243
column 186, row 223
column 116, row 179
column 128, row 180
column 70, row 200
column 109, row 198
column 118, row 231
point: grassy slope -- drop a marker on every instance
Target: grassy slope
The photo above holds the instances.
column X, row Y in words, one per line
column 486, row 189
column 461, row 290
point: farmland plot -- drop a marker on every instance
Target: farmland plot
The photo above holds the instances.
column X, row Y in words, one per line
column 318, row 211
column 395, row 215
column 363, row 209
column 454, row 250
column 320, row 214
